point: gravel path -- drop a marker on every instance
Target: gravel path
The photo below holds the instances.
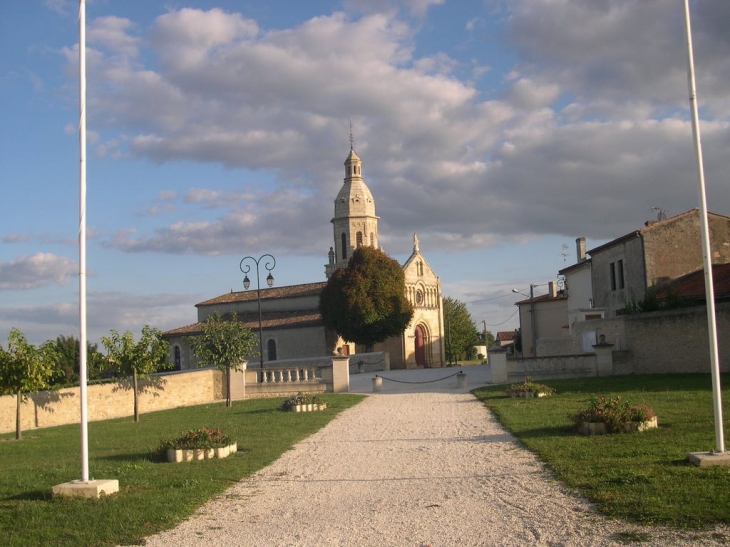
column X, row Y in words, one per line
column 409, row 469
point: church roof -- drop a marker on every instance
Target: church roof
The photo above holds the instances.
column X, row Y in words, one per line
column 290, row 291
column 269, row 320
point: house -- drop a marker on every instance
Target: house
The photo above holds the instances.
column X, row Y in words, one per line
column 624, row 269
column 689, row 290
column 291, row 325
column 542, row 317
column 579, row 288
column 504, row 339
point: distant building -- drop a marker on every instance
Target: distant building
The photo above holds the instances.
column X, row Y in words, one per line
column 292, row 325
column 623, row 269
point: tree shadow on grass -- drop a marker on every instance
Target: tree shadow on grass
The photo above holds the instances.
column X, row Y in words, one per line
column 543, row 432
column 31, row 495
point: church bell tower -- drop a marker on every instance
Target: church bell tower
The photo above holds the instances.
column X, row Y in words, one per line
column 354, row 223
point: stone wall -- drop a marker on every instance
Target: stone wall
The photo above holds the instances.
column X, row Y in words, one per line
column 673, row 341
column 116, row 400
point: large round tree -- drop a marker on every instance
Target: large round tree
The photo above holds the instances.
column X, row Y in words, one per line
column 365, row 302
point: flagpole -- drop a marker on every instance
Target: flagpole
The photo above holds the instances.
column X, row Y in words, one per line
column 82, row 243
column 706, row 247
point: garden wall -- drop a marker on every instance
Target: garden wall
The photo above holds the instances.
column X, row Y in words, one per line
column 673, row 341
column 105, row 401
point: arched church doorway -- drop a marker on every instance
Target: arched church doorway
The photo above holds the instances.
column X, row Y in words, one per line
column 420, row 341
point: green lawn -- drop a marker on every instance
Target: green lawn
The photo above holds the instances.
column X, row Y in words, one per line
column 642, row 477
column 153, row 495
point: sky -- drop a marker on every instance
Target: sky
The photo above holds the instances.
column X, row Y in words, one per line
column 499, row 131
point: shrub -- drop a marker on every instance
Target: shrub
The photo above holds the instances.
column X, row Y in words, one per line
column 197, row 438
column 613, row 412
column 528, row 386
column 298, row 399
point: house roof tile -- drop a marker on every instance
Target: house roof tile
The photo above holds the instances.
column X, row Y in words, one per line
column 269, row 320
column 290, row 291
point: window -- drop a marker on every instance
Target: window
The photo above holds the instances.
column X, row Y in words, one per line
column 616, row 269
column 612, row 267
column 177, row 358
column 344, row 246
column 271, row 349
column 620, row 274
column 358, row 239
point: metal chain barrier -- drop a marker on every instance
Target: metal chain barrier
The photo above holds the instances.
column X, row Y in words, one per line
column 426, row 382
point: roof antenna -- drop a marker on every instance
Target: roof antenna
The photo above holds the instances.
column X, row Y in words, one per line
column 661, row 213
column 352, row 140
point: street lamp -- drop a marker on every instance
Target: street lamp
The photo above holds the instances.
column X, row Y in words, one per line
column 532, row 316
column 269, row 265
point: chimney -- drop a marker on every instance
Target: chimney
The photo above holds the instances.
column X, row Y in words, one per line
column 553, row 289
column 580, row 245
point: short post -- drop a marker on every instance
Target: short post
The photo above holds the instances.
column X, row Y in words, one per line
column 377, row 384
column 360, row 367
column 340, row 374
column 461, row 380
column 604, row 357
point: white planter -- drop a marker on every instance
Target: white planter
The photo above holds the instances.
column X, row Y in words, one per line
column 177, row 456
column 641, row 426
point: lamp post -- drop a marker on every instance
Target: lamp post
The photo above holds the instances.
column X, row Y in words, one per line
column 532, row 316
column 269, row 265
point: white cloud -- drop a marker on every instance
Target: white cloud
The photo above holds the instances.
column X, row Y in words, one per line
column 589, row 123
column 38, row 270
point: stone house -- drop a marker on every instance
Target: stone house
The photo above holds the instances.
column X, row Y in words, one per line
column 624, row 269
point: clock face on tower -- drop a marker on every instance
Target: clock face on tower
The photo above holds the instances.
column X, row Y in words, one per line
column 419, row 297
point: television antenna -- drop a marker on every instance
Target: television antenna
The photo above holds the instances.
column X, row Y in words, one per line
column 661, row 213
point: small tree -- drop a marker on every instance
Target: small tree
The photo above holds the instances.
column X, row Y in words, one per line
column 365, row 302
column 224, row 344
column 137, row 358
column 24, row 368
column 68, row 360
column 461, row 333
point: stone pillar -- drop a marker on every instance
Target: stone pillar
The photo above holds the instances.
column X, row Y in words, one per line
column 604, row 357
column 498, row 366
column 386, row 361
column 340, row 374
column 461, row 380
column 238, row 382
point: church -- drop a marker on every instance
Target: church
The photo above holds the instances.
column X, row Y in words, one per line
column 291, row 325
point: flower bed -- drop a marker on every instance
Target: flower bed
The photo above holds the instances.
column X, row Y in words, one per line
column 613, row 416
column 303, row 403
column 198, row 444
column 528, row 388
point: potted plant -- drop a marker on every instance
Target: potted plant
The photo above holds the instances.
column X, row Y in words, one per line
column 640, row 418
column 528, row 388
column 612, row 415
column 296, row 403
column 198, row 444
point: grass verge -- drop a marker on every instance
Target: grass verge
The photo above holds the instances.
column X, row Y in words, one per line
column 642, row 477
column 153, row 496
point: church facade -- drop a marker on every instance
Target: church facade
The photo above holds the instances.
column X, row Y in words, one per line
column 292, row 327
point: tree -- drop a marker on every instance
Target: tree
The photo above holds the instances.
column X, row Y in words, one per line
column 68, row 360
column 224, row 344
column 137, row 358
column 365, row 302
column 24, row 368
column 461, row 333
